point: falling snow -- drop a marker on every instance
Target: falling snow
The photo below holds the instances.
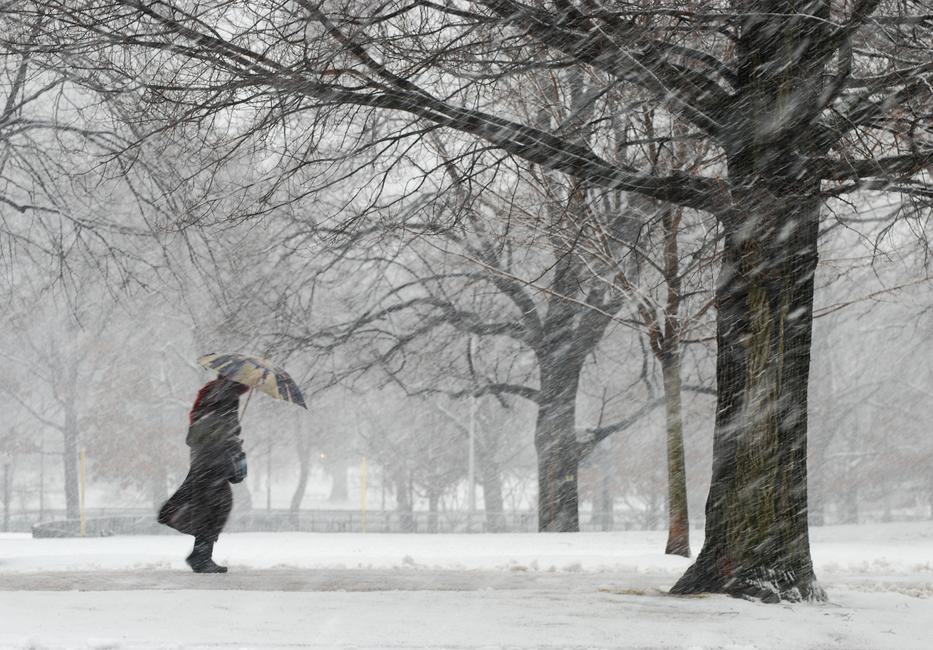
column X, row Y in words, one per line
column 465, row 324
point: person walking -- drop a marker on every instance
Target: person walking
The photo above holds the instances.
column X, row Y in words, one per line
column 201, row 506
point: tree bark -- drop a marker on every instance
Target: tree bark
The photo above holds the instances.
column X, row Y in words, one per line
column 403, row 500
column 304, row 473
column 757, row 538
column 556, row 446
column 434, row 498
column 606, row 503
column 678, row 536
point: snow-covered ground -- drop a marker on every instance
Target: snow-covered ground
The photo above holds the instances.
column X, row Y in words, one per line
column 591, row 590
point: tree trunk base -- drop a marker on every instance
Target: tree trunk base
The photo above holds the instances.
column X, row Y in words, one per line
column 677, row 547
column 767, row 586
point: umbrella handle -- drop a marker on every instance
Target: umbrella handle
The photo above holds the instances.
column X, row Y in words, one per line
column 248, row 395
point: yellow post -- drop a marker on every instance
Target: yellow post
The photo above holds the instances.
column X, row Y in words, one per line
column 364, row 469
column 82, row 466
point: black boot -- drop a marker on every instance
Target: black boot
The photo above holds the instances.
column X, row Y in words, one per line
column 200, row 559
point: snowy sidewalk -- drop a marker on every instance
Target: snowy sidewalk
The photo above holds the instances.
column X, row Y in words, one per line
column 472, row 619
column 350, row 580
column 448, row 591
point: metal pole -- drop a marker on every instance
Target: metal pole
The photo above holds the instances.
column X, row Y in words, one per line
column 42, row 477
column 382, row 486
column 83, row 469
column 364, row 475
column 471, row 473
column 269, row 478
column 249, row 394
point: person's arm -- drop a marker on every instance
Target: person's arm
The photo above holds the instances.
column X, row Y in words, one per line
column 236, row 455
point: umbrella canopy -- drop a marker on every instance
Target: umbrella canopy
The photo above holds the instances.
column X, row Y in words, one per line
column 257, row 373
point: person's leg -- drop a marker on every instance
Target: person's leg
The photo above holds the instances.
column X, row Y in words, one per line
column 200, row 559
column 217, row 502
column 212, row 501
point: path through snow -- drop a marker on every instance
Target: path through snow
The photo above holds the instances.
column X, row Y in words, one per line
column 456, row 591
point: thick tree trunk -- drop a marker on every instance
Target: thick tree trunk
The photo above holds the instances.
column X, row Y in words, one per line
column 557, row 449
column 403, row 501
column 493, row 502
column 303, row 451
column 678, row 536
column 304, row 473
column 757, row 539
column 434, row 499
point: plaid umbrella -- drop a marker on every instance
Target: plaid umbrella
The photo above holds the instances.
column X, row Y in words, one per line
column 257, row 373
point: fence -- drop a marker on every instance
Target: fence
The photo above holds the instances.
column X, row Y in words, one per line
column 142, row 522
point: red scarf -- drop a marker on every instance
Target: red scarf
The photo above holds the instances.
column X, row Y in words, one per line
column 212, row 394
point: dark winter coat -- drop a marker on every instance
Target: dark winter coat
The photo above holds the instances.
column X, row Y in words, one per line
column 201, row 505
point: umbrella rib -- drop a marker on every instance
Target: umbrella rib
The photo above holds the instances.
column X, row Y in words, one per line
column 244, row 368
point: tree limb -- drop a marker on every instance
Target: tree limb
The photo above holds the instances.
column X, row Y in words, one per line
column 596, row 435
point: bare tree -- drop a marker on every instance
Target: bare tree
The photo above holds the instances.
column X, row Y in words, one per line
column 59, row 360
column 474, row 280
column 135, row 402
column 419, row 450
column 303, row 445
column 670, row 295
column 804, row 99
